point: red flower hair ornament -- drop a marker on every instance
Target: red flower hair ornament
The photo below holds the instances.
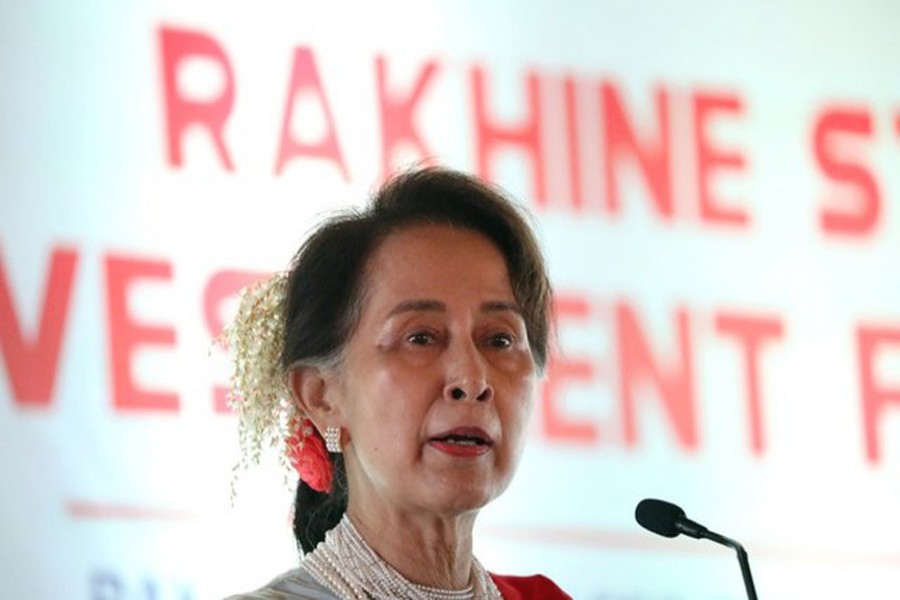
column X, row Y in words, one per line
column 307, row 454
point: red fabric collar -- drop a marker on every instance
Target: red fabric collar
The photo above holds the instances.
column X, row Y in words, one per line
column 532, row 587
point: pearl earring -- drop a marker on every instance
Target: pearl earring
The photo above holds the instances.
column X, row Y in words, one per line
column 333, row 439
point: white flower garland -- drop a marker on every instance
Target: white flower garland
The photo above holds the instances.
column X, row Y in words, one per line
column 259, row 394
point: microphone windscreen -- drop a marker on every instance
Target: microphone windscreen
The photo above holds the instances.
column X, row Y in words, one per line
column 658, row 516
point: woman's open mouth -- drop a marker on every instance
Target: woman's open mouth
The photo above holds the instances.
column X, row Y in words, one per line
column 463, row 441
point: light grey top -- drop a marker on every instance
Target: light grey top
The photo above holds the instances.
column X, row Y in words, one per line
column 295, row 584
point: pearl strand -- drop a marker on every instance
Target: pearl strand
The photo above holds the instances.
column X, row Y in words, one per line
column 345, row 564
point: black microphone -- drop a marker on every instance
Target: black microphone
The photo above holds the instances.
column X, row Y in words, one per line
column 668, row 520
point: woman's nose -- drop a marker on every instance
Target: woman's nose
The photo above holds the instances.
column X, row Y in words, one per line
column 467, row 377
column 460, row 390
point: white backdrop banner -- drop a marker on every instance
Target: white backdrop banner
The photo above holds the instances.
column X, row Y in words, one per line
column 715, row 185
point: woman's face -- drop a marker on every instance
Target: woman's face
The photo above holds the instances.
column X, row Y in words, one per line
column 438, row 379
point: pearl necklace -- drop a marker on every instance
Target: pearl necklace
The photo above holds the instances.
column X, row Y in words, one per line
column 346, row 565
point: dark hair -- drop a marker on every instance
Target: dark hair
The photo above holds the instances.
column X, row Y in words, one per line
column 325, row 288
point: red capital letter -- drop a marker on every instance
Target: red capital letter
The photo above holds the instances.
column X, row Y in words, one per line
column 711, row 160
column 875, row 397
column 125, row 336
column 837, row 137
column 573, row 133
column 32, row 364
column 222, row 286
column 177, row 46
column 305, row 82
column 637, row 366
column 750, row 333
column 620, row 141
column 398, row 132
column 562, row 369
column 489, row 136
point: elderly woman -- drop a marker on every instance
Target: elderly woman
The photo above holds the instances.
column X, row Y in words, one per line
column 409, row 338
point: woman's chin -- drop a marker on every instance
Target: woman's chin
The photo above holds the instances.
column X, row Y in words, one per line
column 461, row 497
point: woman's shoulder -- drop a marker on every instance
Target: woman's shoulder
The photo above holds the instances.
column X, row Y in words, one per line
column 528, row 587
column 295, row 584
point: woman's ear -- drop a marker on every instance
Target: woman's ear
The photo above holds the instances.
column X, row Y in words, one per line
column 311, row 389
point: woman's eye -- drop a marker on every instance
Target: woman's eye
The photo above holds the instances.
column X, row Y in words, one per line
column 502, row 340
column 420, row 338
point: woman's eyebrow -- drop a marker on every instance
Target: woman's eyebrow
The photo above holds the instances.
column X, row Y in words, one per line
column 418, row 305
column 426, row 305
column 494, row 306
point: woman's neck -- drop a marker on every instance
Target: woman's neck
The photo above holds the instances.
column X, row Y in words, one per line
column 426, row 549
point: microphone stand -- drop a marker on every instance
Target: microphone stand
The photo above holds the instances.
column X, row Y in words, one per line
column 741, row 556
column 668, row 520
